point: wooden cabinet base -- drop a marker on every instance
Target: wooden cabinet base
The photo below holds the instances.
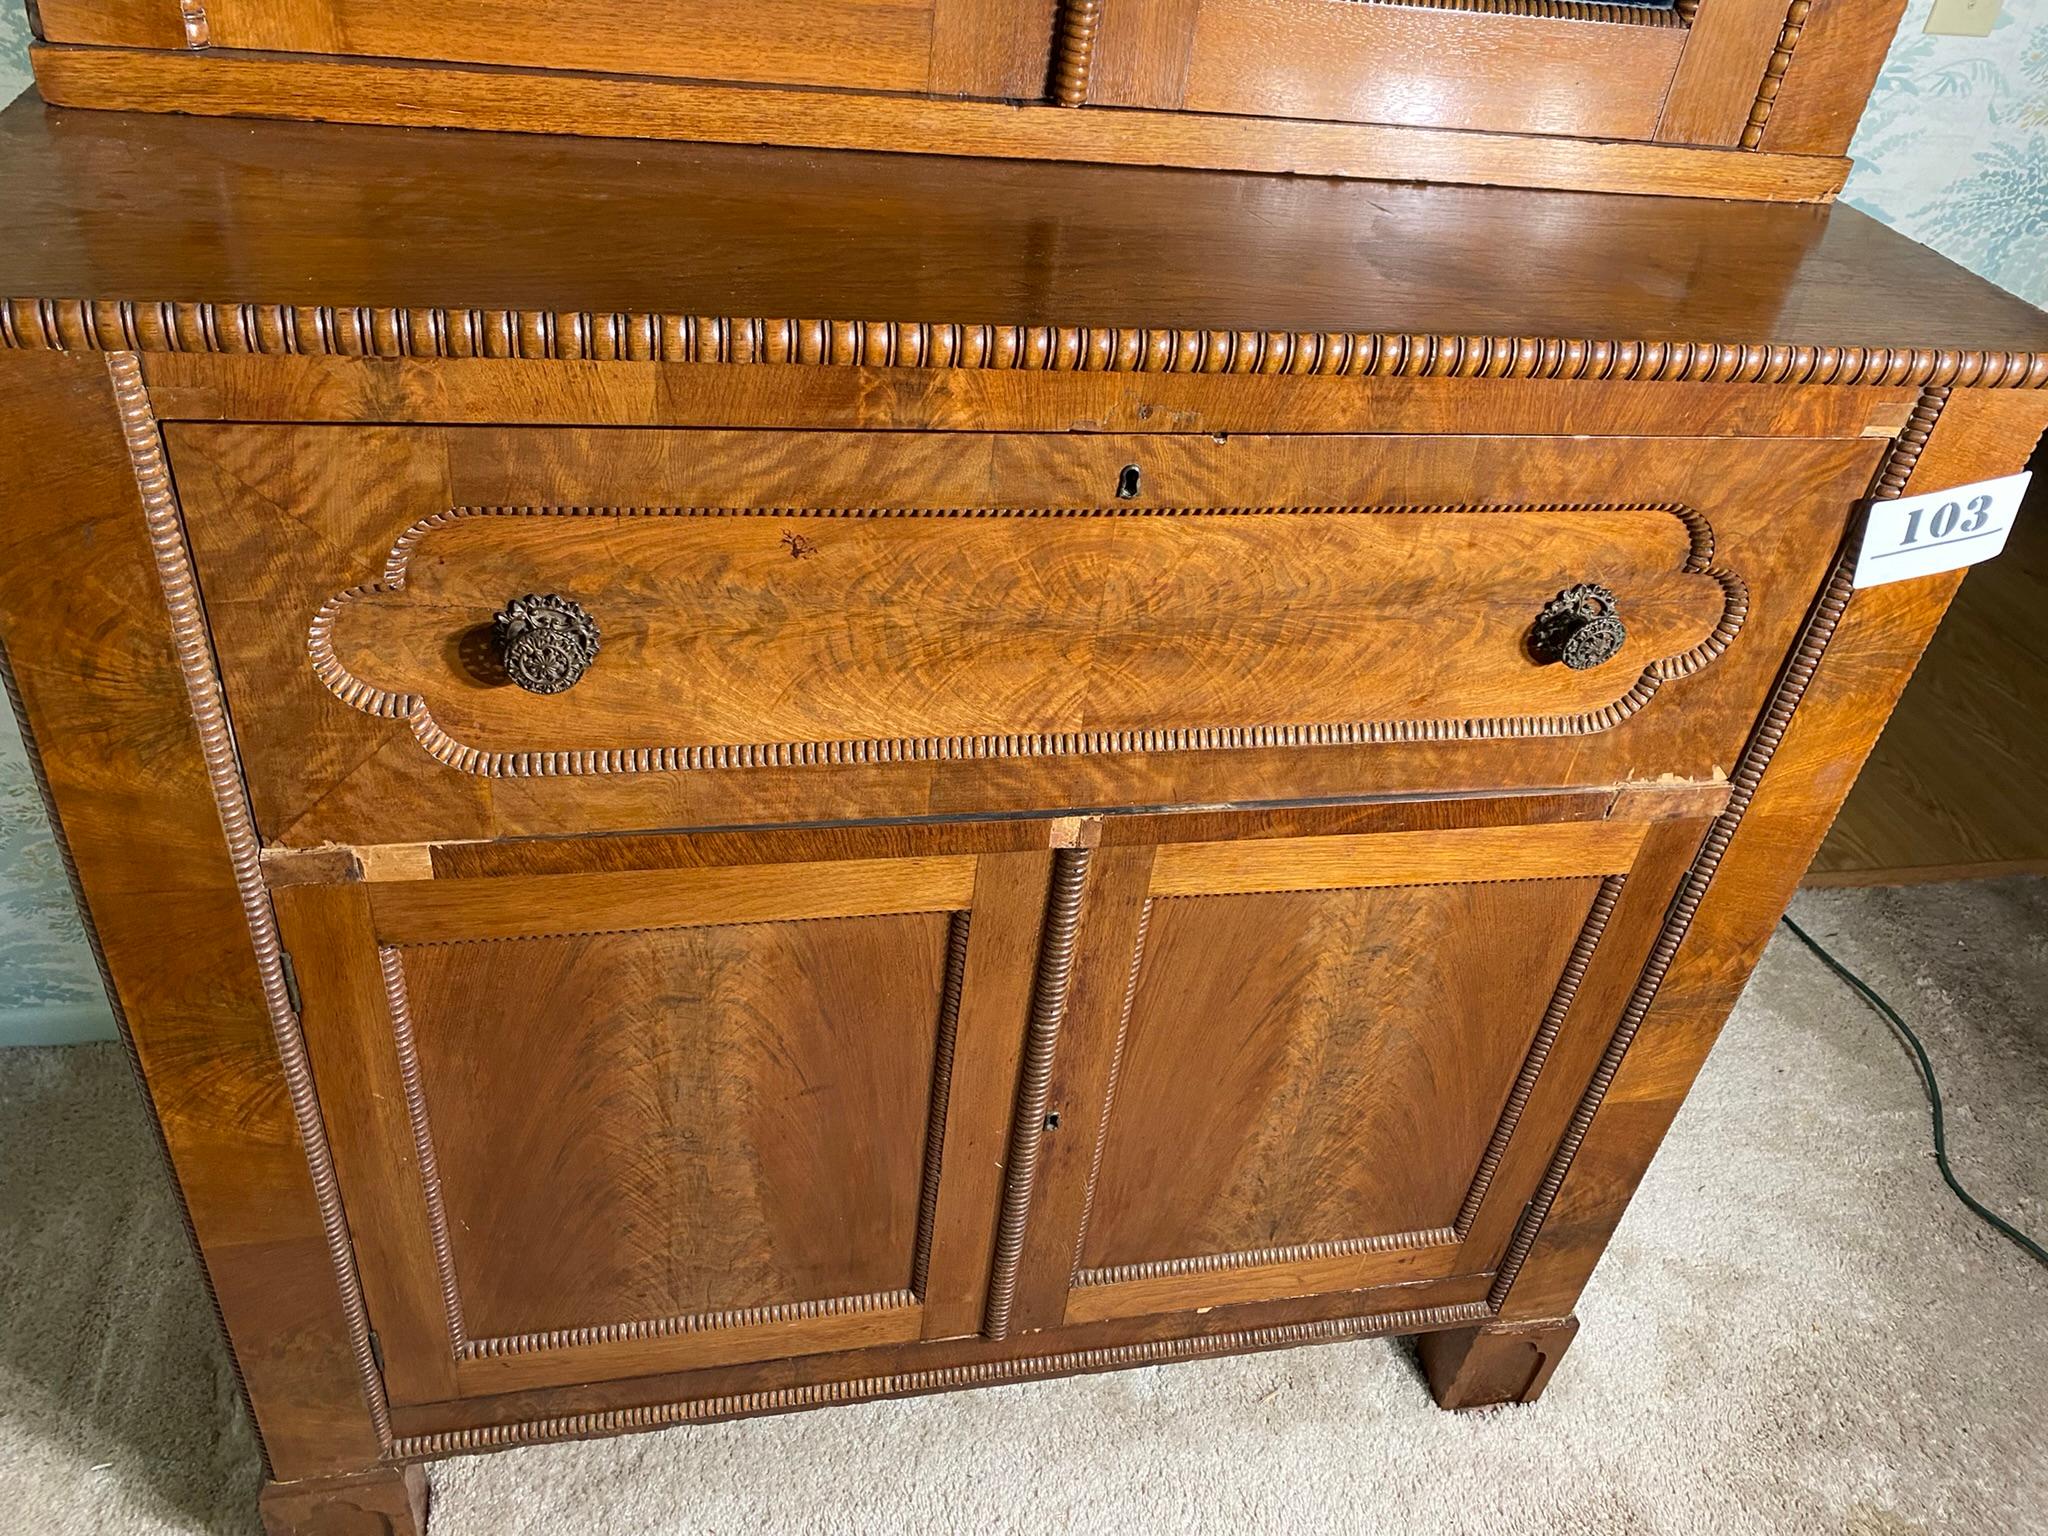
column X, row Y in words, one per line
column 1487, row 1366
column 386, row 1501
column 658, row 869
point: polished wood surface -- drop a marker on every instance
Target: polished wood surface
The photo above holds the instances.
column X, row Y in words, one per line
column 1515, row 92
column 1376, row 63
column 314, row 215
column 105, row 709
column 1953, row 789
column 1247, row 663
column 949, row 47
column 561, row 1089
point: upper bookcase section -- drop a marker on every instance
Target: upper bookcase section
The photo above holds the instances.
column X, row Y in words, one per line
column 1718, row 98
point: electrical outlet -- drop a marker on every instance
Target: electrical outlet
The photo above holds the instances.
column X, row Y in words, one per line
column 1962, row 18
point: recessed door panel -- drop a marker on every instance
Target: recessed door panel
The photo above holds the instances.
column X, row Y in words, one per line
column 618, row 1122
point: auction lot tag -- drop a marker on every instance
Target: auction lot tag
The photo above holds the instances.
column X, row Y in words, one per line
column 1920, row 535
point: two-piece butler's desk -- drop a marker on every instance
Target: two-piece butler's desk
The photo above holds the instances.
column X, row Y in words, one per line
column 716, row 779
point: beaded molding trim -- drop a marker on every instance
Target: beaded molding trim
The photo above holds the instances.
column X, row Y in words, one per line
column 982, row 1373
column 209, row 713
column 1820, row 628
column 280, row 330
column 450, row 752
column 1034, row 1084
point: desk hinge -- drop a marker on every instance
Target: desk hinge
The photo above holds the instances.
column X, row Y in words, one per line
column 291, row 980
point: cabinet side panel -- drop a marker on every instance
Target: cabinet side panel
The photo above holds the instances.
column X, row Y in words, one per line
column 83, row 618
column 1866, row 665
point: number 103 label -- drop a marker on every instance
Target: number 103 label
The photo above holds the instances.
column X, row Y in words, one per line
column 1920, row 535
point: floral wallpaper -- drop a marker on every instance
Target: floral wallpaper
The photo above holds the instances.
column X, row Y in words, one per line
column 1953, row 150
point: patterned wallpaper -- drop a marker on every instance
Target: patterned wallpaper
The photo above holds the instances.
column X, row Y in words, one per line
column 1953, row 150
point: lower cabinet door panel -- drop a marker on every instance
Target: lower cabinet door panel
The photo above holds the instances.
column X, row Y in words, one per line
column 1328, row 1064
column 683, row 1120
column 605, row 1125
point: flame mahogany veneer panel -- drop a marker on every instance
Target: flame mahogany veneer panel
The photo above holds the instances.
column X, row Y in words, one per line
column 1260, row 620
column 1368, row 1038
column 641, row 1125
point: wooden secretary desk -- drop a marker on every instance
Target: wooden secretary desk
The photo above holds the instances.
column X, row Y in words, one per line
column 944, row 731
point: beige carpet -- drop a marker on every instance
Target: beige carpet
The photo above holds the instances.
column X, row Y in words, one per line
column 1797, row 1330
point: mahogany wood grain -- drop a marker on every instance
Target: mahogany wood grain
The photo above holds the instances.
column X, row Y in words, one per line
column 667, row 1217
column 1398, row 858
column 1433, row 68
column 370, row 1092
column 865, row 631
column 1831, row 51
column 439, row 911
column 1350, row 1019
column 311, row 215
column 658, row 1097
column 1726, row 52
column 1301, row 983
column 324, row 771
column 881, row 45
column 1011, row 892
column 365, row 91
column 1873, row 647
column 91, row 653
column 724, row 1124
column 624, row 393
column 999, row 48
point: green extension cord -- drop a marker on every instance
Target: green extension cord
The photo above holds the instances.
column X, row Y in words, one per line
column 1870, row 996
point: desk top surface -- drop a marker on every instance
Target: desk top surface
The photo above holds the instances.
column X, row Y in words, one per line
column 163, row 210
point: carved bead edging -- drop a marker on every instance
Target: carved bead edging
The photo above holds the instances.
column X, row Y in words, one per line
column 1253, row 1258
column 391, row 962
column 453, row 753
column 193, row 648
column 1774, row 73
column 1034, row 1084
column 642, row 1330
column 1678, row 15
column 1574, row 974
column 942, row 1092
column 1814, row 639
column 614, row 1421
column 367, row 331
column 1074, row 51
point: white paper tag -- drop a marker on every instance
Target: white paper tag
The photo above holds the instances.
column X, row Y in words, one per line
column 1920, row 535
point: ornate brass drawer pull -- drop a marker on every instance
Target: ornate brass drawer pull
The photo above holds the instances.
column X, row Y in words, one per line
column 1580, row 627
column 546, row 642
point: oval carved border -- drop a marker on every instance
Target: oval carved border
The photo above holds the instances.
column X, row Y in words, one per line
column 453, row 753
